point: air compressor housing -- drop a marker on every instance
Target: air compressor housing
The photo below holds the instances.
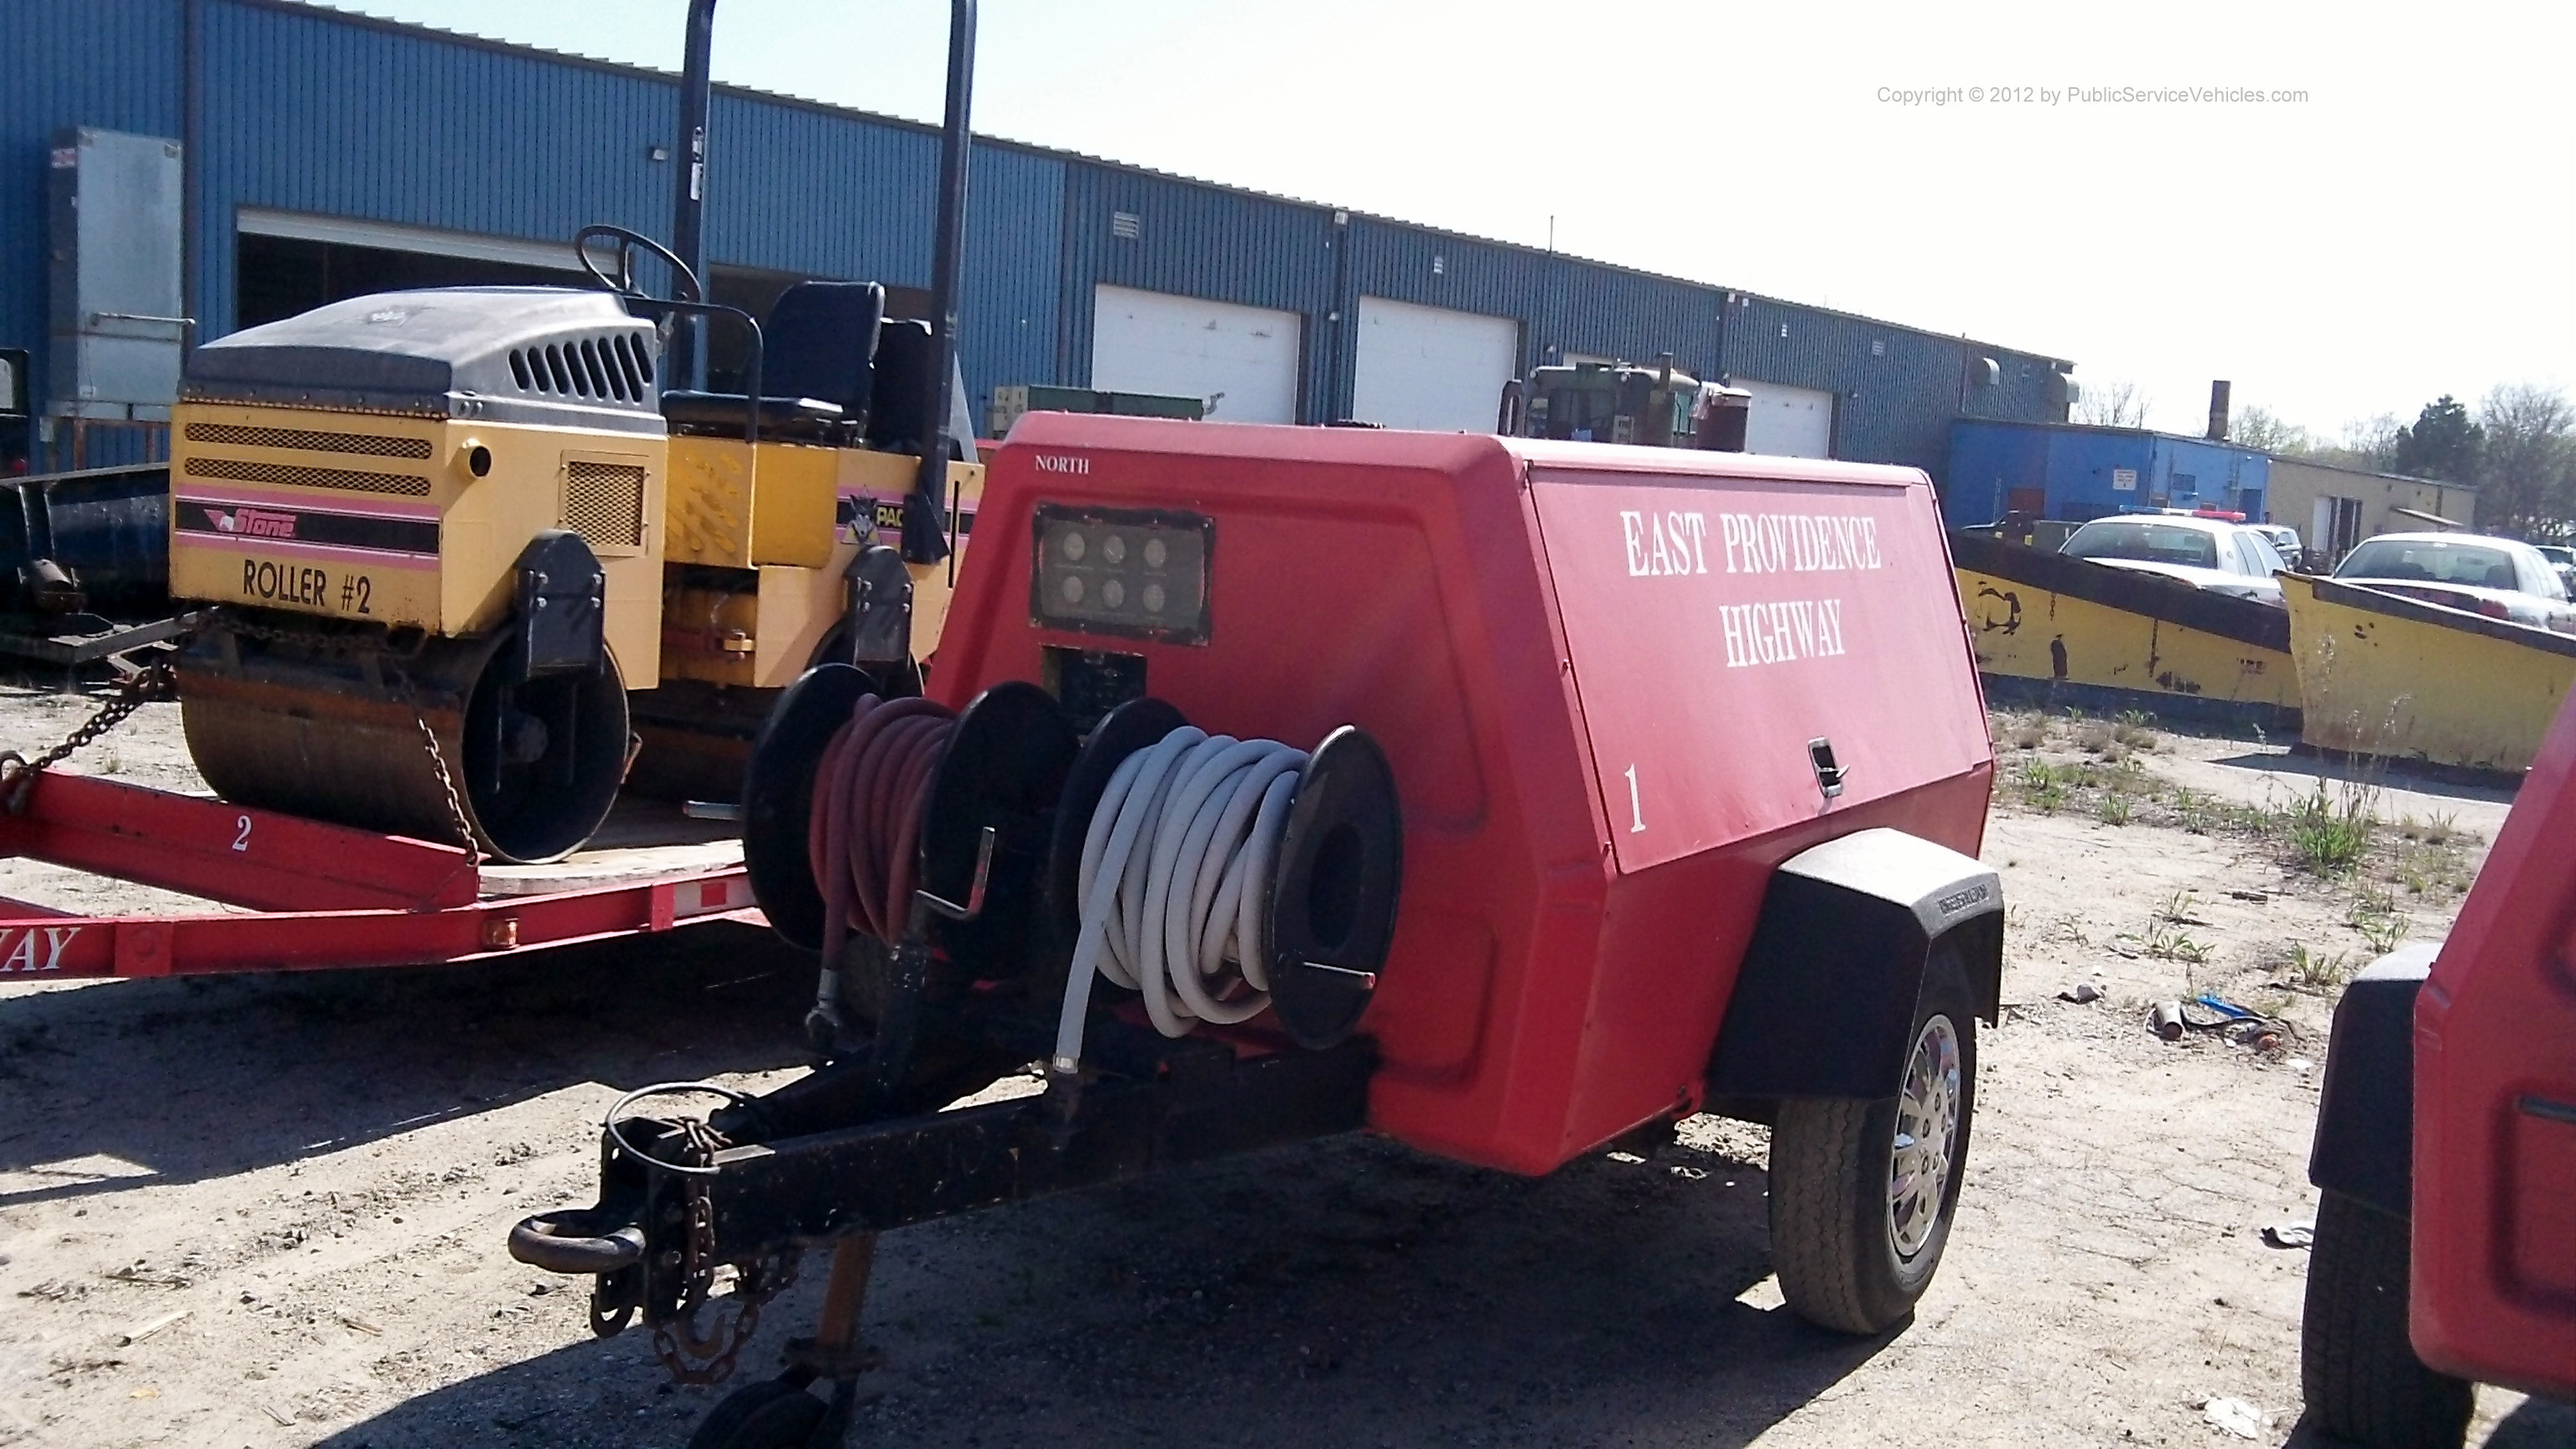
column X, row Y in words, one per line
column 1618, row 687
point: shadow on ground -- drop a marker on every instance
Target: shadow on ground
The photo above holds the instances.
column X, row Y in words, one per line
column 180, row 1077
column 2418, row 778
column 1344, row 1293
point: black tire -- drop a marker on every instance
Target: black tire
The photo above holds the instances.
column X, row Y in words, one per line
column 1834, row 1241
column 2357, row 1367
column 771, row 1414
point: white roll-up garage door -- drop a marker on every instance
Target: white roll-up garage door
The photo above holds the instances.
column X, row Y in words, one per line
column 1431, row 368
column 1788, row 422
column 1243, row 360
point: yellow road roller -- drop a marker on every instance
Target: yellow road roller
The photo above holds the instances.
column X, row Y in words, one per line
column 477, row 567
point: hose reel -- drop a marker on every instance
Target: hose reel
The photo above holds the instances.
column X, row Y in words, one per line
column 1319, row 908
column 1233, row 848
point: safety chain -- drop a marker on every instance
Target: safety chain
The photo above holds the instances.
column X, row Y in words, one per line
column 456, row 820
column 148, row 685
column 688, row 1354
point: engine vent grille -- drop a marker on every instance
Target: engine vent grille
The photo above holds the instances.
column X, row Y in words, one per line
column 604, row 503
column 242, row 470
column 374, row 445
column 618, row 366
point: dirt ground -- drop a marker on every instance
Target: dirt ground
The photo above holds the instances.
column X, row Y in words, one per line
column 316, row 1173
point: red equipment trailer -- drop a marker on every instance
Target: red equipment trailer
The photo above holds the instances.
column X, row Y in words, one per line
column 2445, row 1248
column 311, row 896
column 1610, row 784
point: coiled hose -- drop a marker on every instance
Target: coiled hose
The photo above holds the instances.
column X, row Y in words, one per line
column 863, row 841
column 1175, row 868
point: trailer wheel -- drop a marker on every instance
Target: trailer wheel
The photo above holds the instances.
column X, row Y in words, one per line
column 2357, row 1367
column 771, row 1414
column 1862, row 1191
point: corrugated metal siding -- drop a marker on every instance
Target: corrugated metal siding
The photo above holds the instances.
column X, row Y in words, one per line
column 1893, row 404
column 1563, row 304
column 1197, row 241
column 2219, row 473
column 796, row 190
column 1986, row 464
column 1606, row 312
column 1007, row 320
column 306, row 113
column 2070, row 466
column 2081, row 462
column 112, row 64
column 2073, row 465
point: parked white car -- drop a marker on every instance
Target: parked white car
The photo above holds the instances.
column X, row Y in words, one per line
column 2206, row 553
column 2563, row 559
column 2502, row 578
column 2285, row 542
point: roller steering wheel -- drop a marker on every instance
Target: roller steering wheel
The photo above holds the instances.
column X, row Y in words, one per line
column 627, row 241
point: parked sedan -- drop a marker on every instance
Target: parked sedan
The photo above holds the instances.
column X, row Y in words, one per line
column 2501, row 578
column 2563, row 559
column 2206, row 553
column 2285, row 542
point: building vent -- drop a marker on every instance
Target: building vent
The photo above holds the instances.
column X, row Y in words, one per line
column 374, row 445
column 242, row 470
column 604, row 503
column 1877, row 347
column 1439, row 266
column 1126, row 225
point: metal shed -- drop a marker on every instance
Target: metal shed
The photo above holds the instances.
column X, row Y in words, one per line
column 2078, row 471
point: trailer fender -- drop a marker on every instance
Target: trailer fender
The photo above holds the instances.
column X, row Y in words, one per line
column 2365, row 1141
column 1826, row 995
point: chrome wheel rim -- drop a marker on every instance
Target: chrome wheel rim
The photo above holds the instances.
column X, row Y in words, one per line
column 1927, row 1135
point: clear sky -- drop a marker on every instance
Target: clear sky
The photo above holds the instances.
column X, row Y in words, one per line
column 2406, row 229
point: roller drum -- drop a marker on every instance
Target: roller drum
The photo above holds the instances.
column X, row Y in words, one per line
column 326, row 725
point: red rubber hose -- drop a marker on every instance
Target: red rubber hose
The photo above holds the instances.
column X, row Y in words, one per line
column 864, row 841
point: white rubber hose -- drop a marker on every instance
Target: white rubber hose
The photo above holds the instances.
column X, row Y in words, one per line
column 1173, row 869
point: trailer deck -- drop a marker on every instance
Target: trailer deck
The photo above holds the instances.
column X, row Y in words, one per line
column 287, row 894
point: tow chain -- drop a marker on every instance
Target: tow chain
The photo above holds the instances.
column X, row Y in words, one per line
column 691, row 1355
column 149, row 685
column 456, row 820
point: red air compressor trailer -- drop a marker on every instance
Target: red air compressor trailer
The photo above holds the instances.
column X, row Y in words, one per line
column 1503, row 796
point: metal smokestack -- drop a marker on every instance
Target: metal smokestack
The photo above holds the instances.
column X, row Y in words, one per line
column 2218, row 411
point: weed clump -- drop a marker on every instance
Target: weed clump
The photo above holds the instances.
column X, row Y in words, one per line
column 2314, row 970
column 2330, row 832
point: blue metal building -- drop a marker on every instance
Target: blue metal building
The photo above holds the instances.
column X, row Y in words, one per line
column 2075, row 472
column 328, row 153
